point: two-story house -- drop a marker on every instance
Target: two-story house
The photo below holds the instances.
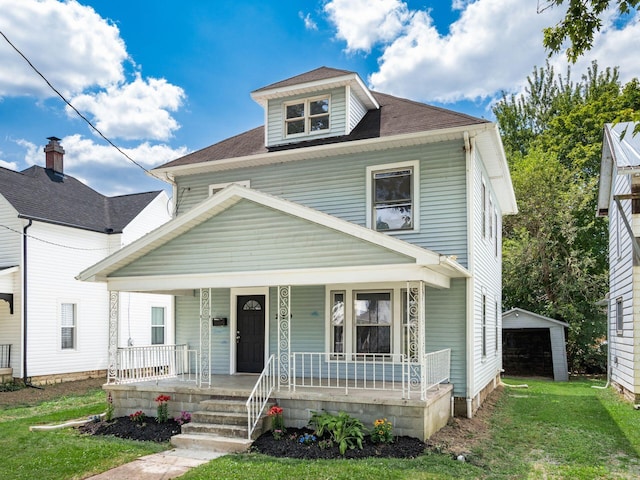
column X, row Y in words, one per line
column 53, row 327
column 619, row 199
column 347, row 254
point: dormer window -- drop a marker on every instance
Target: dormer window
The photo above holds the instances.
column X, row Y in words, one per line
column 306, row 116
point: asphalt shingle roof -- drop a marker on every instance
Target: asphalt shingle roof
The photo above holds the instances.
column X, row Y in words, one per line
column 41, row 194
column 396, row 116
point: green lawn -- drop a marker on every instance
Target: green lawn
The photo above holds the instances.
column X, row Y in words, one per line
column 61, row 454
column 547, row 431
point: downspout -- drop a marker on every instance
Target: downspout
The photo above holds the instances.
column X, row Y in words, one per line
column 24, row 302
column 470, row 280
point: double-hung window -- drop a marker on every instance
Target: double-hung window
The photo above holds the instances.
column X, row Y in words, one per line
column 392, row 197
column 157, row 326
column 337, row 322
column 67, row 326
column 307, row 116
column 373, row 314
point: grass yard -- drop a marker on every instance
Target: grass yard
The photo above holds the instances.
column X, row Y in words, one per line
column 61, row 454
column 547, row 431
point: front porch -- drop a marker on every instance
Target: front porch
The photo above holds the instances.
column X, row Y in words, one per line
column 414, row 417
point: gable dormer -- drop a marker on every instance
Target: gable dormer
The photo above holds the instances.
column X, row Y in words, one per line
column 322, row 103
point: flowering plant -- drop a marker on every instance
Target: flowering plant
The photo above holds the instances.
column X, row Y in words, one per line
column 277, row 421
column 382, row 431
column 184, row 417
column 137, row 417
column 163, row 408
column 307, row 439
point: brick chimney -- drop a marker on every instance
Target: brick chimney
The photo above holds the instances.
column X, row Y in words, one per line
column 54, row 155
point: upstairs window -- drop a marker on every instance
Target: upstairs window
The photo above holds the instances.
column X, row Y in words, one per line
column 307, row 116
column 392, row 197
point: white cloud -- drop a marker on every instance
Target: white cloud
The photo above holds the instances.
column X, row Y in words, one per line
column 9, row 165
column 69, row 43
column 309, row 23
column 81, row 151
column 492, row 47
column 83, row 56
column 135, row 110
column 364, row 23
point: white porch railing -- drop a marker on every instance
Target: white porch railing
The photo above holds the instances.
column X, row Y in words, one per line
column 369, row 371
column 437, row 367
column 261, row 393
column 153, row 362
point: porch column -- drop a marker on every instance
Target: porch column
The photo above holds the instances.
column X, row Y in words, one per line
column 204, row 377
column 114, row 315
column 416, row 335
column 284, row 336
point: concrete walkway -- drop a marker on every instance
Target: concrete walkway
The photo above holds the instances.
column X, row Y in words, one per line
column 159, row 466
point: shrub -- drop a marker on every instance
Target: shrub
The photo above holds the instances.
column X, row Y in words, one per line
column 345, row 431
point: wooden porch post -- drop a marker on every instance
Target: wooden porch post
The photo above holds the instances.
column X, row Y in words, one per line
column 114, row 315
column 205, row 337
column 284, row 336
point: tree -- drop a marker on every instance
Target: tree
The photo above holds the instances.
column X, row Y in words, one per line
column 555, row 260
column 582, row 20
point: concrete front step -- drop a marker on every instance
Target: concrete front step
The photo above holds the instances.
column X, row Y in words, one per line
column 231, row 431
column 225, row 405
column 220, row 418
column 210, row 443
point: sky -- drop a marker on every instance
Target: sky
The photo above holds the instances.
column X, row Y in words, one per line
column 162, row 78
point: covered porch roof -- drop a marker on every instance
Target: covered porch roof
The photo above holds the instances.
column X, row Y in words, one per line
column 244, row 237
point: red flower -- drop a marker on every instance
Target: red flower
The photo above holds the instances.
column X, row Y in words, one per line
column 275, row 410
column 163, row 398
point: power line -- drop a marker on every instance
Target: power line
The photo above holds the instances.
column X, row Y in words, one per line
column 74, row 108
column 54, row 243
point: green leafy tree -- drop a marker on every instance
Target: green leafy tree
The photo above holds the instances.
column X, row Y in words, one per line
column 555, row 250
column 582, row 20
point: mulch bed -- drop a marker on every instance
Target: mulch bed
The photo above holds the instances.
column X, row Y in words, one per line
column 290, row 446
column 123, row 427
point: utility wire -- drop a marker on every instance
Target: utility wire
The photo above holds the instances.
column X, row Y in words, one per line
column 74, row 108
column 54, row 243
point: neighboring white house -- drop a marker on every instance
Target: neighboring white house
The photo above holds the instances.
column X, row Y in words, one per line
column 619, row 199
column 534, row 345
column 356, row 236
column 52, row 326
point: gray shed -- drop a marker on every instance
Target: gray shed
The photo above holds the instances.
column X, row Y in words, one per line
column 534, row 345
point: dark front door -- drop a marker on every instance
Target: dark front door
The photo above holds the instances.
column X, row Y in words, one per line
column 250, row 333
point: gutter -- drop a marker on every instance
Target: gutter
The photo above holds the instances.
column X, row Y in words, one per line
column 24, row 303
column 468, row 145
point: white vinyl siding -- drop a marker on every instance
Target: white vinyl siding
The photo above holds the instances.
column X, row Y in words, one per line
column 624, row 284
column 356, row 111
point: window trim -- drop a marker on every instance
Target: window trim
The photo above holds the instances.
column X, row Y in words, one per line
column 415, row 201
column 619, row 317
column 74, row 347
column 307, row 116
column 483, row 333
column 395, row 288
column 483, row 207
column 215, row 187
column 163, row 326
